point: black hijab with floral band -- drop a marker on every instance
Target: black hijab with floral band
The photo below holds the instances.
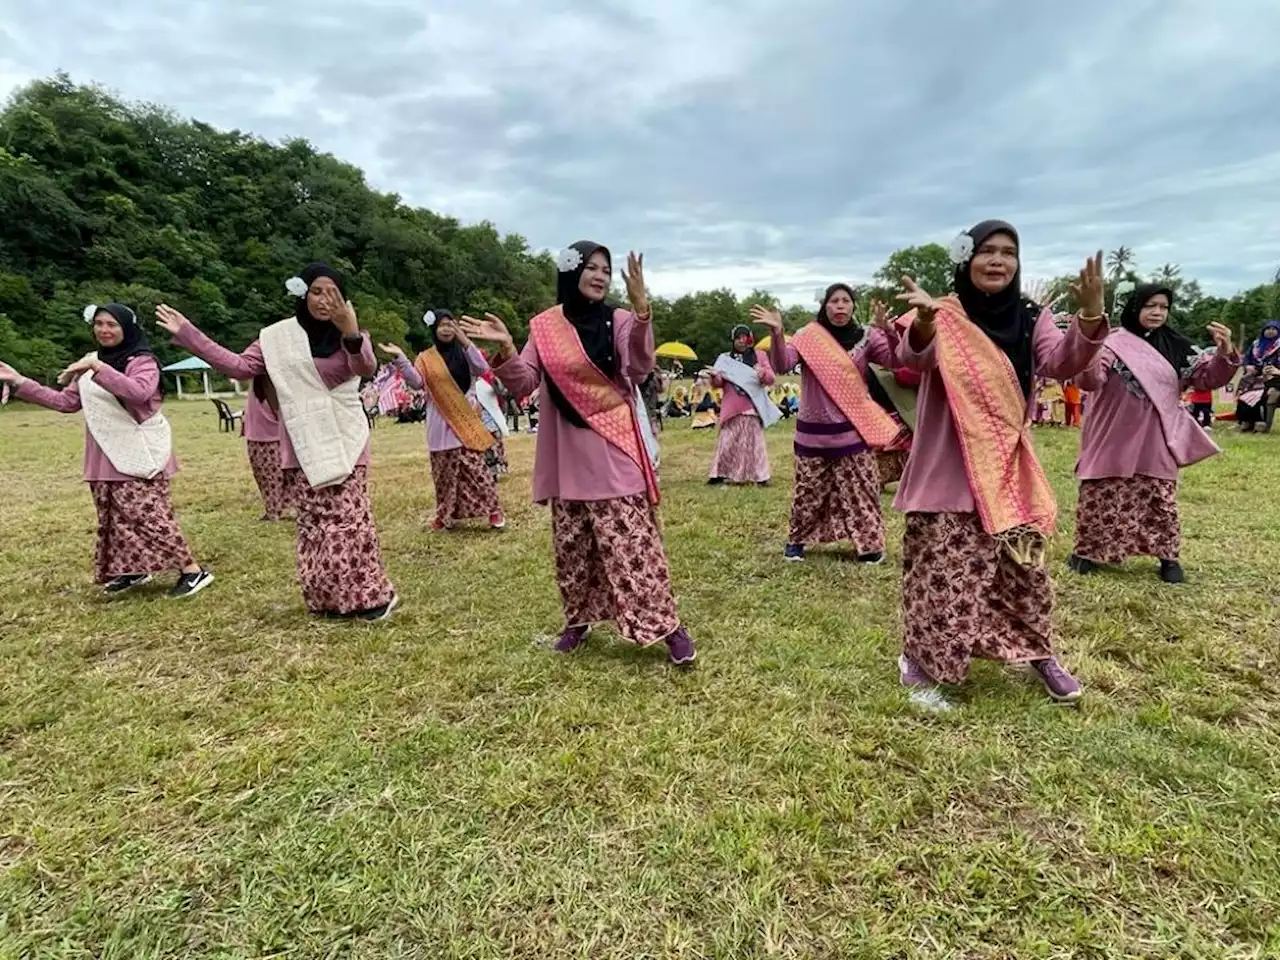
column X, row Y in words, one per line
column 132, row 344
column 592, row 319
column 1006, row 317
column 747, row 356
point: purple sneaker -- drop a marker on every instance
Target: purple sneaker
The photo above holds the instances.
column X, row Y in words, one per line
column 681, row 648
column 925, row 694
column 1061, row 685
column 572, row 638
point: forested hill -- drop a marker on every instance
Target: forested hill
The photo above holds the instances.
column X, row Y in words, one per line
column 101, row 199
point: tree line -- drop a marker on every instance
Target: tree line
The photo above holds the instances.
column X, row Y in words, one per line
column 103, row 199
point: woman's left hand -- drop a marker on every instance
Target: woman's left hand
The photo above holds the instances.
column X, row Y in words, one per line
column 880, row 315
column 342, row 313
column 1222, row 339
column 634, row 278
column 89, row 363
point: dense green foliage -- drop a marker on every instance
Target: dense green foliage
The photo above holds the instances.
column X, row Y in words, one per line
column 102, row 199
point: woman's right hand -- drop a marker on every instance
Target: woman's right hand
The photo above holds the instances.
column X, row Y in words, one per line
column 491, row 329
column 391, row 350
column 10, row 375
column 767, row 318
column 170, row 319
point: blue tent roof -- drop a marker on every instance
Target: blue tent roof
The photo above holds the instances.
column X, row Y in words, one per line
column 191, row 363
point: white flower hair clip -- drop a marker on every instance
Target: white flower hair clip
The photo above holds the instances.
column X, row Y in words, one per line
column 569, row 260
column 961, row 249
column 297, row 286
column 90, row 312
column 429, row 318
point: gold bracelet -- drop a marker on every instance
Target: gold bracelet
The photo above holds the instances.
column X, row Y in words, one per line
column 1083, row 319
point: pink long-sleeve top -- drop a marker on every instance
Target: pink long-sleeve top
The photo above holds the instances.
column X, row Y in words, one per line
column 576, row 463
column 260, row 423
column 139, row 389
column 440, row 435
column 1122, row 434
column 334, row 370
column 736, row 403
column 934, row 480
column 821, row 429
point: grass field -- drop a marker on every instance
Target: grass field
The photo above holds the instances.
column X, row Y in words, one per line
column 225, row 777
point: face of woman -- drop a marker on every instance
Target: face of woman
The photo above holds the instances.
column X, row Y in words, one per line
column 315, row 305
column 1154, row 313
column 839, row 308
column 994, row 263
column 107, row 330
column 594, row 282
column 741, row 342
column 446, row 330
column 1271, row 333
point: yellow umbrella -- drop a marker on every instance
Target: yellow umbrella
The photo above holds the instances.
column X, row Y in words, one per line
column 763, row 343
column 673, row 350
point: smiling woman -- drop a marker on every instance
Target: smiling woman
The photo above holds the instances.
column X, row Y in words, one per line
column 128, row 457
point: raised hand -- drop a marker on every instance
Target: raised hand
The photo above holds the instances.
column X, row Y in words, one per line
column 391, row 349
column 767, row 318
column 1222, row 339
column 10, row 375
column 342, row 313
column 491, row 329
column 925, row 306
column 880, row 315
column 1090, row 289
column 170, row 319
column 634, row 278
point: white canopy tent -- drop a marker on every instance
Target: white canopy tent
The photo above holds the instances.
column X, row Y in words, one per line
column 190, row 365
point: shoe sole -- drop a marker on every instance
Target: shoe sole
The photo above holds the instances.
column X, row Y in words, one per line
column 872, row 563
column 133, row 586
column 683, row 663
column 391, row 608
column 794, row 559
column 198, row 587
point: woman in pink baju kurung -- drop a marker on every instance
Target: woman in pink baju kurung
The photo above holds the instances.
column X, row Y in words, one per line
column 1138, row 435
column 339, row 560
column 590, row 463
column 837, row 480
column 261, row 430
column 967, row 591
column 741, row 455
column 138, row 534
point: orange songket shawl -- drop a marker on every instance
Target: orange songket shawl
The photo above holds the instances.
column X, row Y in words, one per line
column 452, row 402
column 843, row 383
column 597, row 399
column 1013, row 496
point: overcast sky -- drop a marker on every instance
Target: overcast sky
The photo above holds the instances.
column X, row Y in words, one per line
column 743, row 143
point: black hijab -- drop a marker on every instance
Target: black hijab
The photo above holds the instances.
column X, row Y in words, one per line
column 134, row 343
column 455, row 357
column 592, row 319
column 325, row 337
column 748, row 356
column 848, row 336
column 1006, row 317
column 1169, row 343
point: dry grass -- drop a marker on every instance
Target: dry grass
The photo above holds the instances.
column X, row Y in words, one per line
column 227, row 778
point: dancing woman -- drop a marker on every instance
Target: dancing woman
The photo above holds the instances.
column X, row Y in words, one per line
column 128, row 456
column 1139, row 435
column 744, row 375
column 840, row 425
column 592, row 464
column 978, row 504
column 314, row 361
column 457, row 439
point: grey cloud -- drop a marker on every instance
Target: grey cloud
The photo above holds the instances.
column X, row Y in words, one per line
column 773, row 143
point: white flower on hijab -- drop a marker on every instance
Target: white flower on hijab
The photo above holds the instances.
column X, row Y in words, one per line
column 569, row 260
column 90, row 312
column 297, row 286
column 961, row 249
column 429, row 318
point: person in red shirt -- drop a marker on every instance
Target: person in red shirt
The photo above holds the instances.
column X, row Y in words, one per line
column 1202, row 407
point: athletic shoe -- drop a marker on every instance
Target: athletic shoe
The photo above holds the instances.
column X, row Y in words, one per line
column 715, row 482
column 793, row 553
column 1081, row 566
column 127, row 582
column 681, row 648
column 572, row 638
column 1171, row 572
column 379, row 613
column 925, row 694
column 872, row 559
column 497, row 521
column 1060, row 685
column 189, row 584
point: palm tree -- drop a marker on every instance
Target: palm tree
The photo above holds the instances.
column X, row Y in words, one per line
column 1170, row 274
column 1120, row 260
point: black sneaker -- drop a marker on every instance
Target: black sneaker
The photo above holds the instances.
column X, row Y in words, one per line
column 189, row 584
column 127, row 582
column 1171, row 572
column 1081, row 566
column 715, row 482
column 872, row 559
column 379, row 613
